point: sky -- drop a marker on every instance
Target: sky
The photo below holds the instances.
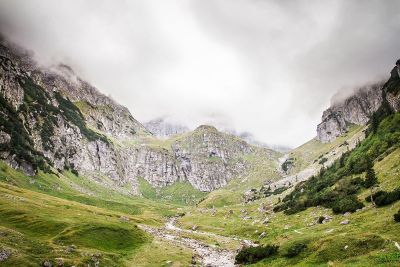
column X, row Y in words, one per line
column 265, row 67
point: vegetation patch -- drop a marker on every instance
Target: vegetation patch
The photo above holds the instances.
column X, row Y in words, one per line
column 254, row 254
column 328, row 189
column 340, row 247
column 392, row 257
column 104, row 237
column 397, row 216
column 295, row 249
column 383, row 198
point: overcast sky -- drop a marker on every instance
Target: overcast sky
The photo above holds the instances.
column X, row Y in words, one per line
column 265, row 67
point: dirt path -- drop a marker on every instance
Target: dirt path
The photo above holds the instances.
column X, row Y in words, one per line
column 205, row 254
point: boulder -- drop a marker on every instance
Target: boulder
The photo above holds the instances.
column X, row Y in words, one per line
column 345, row 222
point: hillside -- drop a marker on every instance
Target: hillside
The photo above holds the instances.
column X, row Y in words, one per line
column 329, row 218
column 83, row 183
column 53, row 121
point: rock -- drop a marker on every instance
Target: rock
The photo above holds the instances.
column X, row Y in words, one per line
column 346, row 247
column 325, row 219
column 265, row 221
column 169, row 262
column 397, row 245
column 59, row 262
column 195, row 227
column 124, row 219
column 262, row 235
column 262, row 208
column 347, row 214
column 47, row 263
column 250, row 195
column 345, row 222
column 355, row 109
column 70, row 249
column 161, row 128
column 4, row 254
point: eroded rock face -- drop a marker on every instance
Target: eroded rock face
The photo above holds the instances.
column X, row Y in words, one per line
column 355, row 109
column 67, row 124
column 358, row 108
column 208, row 159
column 164, row 129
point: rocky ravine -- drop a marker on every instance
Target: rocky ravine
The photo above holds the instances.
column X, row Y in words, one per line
column 51, row 119
column 357, row 109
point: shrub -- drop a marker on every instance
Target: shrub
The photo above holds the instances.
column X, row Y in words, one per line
column 397, row 217
column 295, row 250
column 347, row 204
column 382, row 198
column 323, row 160
column 254, row 254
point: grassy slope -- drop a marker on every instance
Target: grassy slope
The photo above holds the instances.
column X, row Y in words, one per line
column 370, row 235
column 314, row 150
column 35, row 226
column 182, row 193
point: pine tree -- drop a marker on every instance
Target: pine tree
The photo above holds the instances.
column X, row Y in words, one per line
column 370, row 177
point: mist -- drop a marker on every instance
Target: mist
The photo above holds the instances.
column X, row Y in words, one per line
column 265, row 67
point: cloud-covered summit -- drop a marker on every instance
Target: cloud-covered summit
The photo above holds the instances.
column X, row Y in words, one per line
column 265, row 67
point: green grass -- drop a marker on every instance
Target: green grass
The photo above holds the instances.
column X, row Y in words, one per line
column 369, row 236
column 181, row 193
column 41, row 222
column 314, row 150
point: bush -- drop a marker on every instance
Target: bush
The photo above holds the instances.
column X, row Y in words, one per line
column 347, row 204
column 397, row 217
column 323, row 160
column 254, row 254
column 383, row 198
column 295, row 250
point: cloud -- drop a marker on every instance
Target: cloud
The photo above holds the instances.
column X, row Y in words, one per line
column 265, row 67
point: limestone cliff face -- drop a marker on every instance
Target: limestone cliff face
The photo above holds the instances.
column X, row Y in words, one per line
column 358, row 108
column 52, row 120
column 208, row 159
column 164, row 129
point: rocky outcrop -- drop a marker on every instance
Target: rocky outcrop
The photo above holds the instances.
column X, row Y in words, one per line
column 208, row 159
column 355, row 109
column 164, row 129
column 52, row 120
column 358, row 108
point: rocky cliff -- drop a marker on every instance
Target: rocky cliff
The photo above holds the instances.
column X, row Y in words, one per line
column 51, row 120
column 358, row 108
column 161, row 128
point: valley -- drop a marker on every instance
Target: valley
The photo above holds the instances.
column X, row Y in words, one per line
column 83, row 183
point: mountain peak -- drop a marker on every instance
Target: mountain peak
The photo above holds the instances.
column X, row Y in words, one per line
column 206, row 128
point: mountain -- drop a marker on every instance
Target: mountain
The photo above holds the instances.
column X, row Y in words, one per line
column 83, row 183
column 52, row 120
column 356, row 109
column 161, row 128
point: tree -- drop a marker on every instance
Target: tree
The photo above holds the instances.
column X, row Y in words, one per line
column 370, row 177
